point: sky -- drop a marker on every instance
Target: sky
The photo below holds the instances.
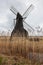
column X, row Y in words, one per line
column 34, row 19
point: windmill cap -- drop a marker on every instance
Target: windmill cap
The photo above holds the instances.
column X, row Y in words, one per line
column 19, row 16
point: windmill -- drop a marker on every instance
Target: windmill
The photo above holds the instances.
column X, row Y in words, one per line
column 20, row 20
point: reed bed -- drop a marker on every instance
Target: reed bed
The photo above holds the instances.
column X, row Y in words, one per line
column 21, row 45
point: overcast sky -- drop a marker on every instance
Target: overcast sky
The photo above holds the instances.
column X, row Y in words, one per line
column 35, row 18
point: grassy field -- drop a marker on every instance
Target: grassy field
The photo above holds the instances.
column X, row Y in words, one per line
column 23, row 47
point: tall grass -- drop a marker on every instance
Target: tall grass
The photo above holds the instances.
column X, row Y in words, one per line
column 20, row 45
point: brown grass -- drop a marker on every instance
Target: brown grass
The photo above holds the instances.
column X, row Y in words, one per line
column 13, row 60
column 21, row 45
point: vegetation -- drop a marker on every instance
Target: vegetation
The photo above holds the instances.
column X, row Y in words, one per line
column 18, row 50
column 15, row 60
column 1, row 60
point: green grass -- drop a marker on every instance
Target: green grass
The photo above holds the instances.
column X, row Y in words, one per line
column 5, row 60
column 1, row 60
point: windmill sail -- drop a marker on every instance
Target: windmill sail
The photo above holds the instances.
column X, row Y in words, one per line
column 24, row 15
column 30, row 8
column 14, row 10
column 29, row 27
column 26, row 27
